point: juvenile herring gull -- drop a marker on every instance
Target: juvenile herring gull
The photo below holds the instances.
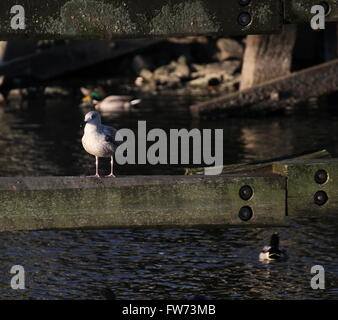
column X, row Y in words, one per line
column 99, row 140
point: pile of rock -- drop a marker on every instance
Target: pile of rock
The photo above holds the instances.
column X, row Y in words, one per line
column 222, row 72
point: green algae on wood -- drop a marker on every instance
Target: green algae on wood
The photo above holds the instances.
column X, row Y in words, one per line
column 107, row 19
column 302, row 187
column 189, row 17
column 261, row 166
column 39, row 203
column 91, row 17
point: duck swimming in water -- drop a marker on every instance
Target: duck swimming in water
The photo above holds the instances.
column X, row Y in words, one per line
column 273, row 252
column 95, row 98
column 115, row 103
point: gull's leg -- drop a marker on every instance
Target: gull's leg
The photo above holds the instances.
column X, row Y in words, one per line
column 97, row 168
column 111, row 166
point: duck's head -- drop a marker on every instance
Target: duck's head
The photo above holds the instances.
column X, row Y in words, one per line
column 274, row 241
column 92, row 117
column 91, row 96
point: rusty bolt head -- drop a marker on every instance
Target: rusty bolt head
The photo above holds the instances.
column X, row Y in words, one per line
column 320, row 198
column 326, row 7
column 321, row 176
column 245, row 213
column 244, row 19
column 245, row 192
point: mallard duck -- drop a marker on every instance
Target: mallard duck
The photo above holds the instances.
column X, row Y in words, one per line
column 115, row 103
column 95, row 97
column 273, row 252
column 92, row 93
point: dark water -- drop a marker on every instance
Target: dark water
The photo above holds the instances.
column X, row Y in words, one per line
column 170, row 263
column 176, row 263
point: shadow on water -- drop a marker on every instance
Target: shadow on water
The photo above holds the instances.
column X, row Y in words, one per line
column 170, row 263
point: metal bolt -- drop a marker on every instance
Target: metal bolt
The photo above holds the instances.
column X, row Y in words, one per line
column 321, row 176
column 326, row 7
column 320, row 198
column 245, row 213
column 244, row 19
column 244, row 2
column 245, row 192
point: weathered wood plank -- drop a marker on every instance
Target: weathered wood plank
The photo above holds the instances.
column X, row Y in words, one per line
column 98, row 19
column 79, row 202
column 297, row 11
column 275, row 95
column 311, row 186
column 260, row 50
column 58, row 60
column 262, row 167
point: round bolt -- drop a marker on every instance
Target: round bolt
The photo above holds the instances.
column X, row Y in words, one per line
column 245, row 213
column 244, row 2
column 245, row 192
column 326, row 7
column 321, row 176
column 320, row 198
column 244, row 19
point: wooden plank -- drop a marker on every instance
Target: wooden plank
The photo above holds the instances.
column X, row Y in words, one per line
column 36, row 203
column 298, row 11
column 262, row 167
column 108, row 19
column 75, row 55
column 303, row 189
column 275, row 95
column 260, row 50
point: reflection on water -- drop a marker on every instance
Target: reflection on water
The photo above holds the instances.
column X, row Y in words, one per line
column 221, row 263
column 161, row 263
column 45, row 139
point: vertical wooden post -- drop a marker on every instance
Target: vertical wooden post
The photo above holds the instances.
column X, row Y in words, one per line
column 3, row 45
column 267, row 57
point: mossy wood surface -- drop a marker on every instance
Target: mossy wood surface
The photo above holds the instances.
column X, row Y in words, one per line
column 77, row 202
column 272, row 96
column 106, row 19
column 301, row 185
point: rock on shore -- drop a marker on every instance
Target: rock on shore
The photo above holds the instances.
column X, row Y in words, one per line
column 215, row 65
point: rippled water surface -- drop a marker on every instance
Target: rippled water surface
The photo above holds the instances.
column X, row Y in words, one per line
column 157, row 263
column 174, row 263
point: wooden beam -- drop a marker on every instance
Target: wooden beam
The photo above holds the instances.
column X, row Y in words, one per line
column 275, row 95
column 262, row 167
column 36, row 203
column 267, row 57
column 311, row 186
column 108, row 19
column 58, row 60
